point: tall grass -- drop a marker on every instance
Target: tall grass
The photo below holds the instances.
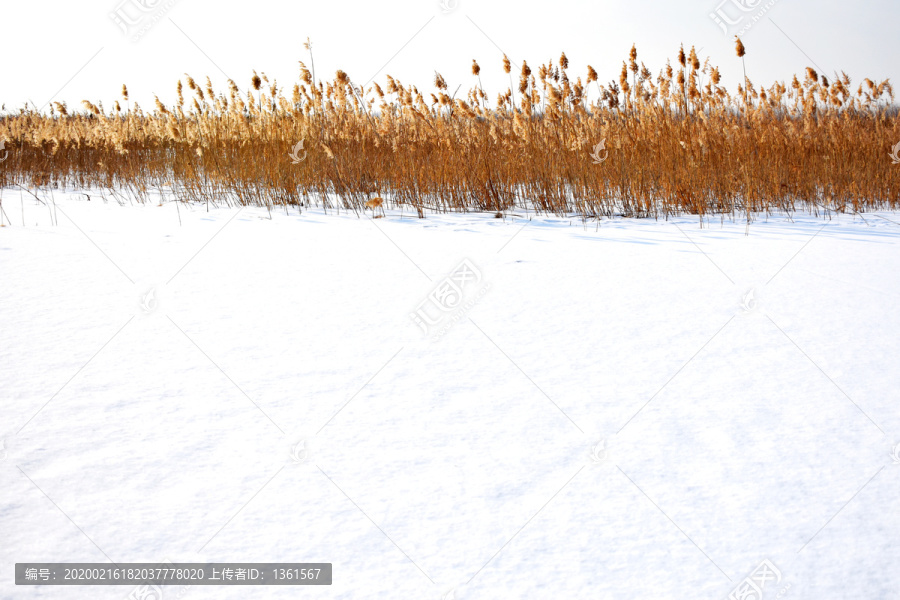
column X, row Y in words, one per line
column 557, row 143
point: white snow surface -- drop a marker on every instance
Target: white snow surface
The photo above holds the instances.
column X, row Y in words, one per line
column 629, row 409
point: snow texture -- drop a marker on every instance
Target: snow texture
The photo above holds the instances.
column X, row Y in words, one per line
column 629, row 409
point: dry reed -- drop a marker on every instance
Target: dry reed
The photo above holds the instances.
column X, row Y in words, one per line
column 676, row 143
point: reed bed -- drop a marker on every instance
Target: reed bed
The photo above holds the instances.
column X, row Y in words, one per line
column 557, row 143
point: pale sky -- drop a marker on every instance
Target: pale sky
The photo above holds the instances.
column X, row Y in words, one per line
column 69, row 51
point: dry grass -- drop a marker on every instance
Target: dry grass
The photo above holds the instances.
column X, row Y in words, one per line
column 641, row 146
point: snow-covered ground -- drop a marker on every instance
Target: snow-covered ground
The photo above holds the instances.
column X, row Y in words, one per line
column 644, row 409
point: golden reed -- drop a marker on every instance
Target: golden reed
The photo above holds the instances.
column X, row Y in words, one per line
column 678, row 142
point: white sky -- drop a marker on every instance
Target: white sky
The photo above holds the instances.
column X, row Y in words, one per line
column 73, row 50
